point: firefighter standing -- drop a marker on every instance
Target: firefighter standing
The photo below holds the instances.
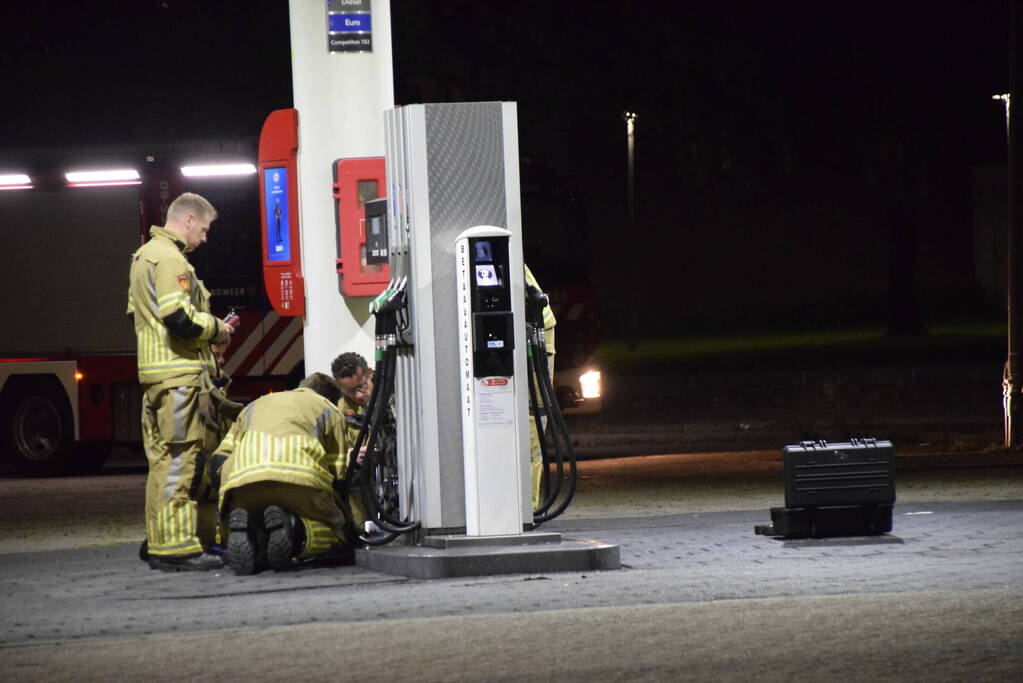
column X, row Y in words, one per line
column 535, row 460
column 284, row 454
column 175, row 331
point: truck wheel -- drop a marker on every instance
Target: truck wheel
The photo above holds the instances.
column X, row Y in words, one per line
column 38, row 430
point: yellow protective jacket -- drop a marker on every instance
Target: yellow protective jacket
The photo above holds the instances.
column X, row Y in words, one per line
column 163, row 286
column 548, row 315
column 295, row 437
column 351, row 413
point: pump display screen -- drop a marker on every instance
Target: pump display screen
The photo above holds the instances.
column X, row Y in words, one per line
column 484, row 251
column 278, row 233
column 486, row 275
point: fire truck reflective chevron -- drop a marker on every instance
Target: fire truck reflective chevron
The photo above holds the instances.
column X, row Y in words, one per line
column 273, row 346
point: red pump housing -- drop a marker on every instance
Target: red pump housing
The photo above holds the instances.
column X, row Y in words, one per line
column 278, row 203
column 357, row 181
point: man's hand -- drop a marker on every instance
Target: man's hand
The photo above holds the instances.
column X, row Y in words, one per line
column 232, row 320
column 362, row 455
column 231, row 323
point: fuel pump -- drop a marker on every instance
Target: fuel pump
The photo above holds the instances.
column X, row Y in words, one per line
column 486, row 345
column 452, row 497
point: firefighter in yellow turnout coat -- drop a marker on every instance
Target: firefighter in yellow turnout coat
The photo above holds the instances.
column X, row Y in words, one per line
column 174, row 331
column 355, row 378
column 535, row 460
column 284, row 454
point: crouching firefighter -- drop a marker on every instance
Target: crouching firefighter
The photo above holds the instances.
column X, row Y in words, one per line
column 280, row 462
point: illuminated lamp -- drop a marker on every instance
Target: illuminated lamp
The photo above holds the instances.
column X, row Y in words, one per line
column 589, row 382
column 104, row 178
column 217, row 170
column 15, row 181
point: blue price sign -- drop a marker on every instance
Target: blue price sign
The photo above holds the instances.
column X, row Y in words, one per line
column 349, row 26
column 278, row 233
column 350, row 23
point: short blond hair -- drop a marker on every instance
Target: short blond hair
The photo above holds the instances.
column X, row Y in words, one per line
column 191, row 203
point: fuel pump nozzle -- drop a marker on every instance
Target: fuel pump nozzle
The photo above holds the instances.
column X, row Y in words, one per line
column 536, row 301
column 390, row 300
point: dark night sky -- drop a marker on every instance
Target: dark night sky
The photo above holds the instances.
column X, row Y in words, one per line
column 796, row 161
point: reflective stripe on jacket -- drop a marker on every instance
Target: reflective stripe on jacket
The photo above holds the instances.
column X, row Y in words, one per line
column 296, row 437
column 161, row 282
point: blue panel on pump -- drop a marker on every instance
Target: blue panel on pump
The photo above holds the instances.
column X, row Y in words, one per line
column 278, row 234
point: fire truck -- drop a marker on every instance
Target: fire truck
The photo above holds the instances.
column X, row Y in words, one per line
column 68, row 383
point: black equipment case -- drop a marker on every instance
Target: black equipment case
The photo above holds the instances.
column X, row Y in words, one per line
column 835, row 489
column 859, row 472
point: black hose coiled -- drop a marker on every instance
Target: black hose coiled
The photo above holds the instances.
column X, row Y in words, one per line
column 372, row 475
column 547, row 406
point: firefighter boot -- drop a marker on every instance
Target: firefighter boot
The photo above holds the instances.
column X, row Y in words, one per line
column 243, row 551
column 283, row 537
column 190, row 563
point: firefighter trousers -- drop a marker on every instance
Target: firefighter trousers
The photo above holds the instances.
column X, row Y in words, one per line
column 172, row 434
column 317, row 509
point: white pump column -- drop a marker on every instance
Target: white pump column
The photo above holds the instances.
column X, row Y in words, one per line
column 455, row 248
column 452, row 168
column 340, row 97
column 493, row 445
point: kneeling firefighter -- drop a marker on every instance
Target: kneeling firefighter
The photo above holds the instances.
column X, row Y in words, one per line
column 282, row 458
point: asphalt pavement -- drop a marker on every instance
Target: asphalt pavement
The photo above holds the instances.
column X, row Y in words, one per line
column 699, row 596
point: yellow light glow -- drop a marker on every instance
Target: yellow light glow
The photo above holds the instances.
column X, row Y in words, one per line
column 79, row 376
column 589, row 382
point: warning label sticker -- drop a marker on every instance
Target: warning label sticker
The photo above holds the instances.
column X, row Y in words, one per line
column 495, row 402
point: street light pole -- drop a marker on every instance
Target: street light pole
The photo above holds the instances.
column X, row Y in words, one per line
column 1011, row 381
column 630, row 138
column 1010, row 373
